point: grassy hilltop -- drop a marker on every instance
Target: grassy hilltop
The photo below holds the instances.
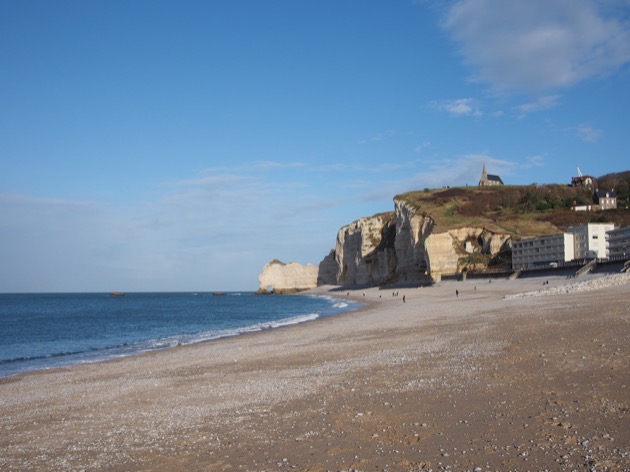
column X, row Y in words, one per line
column 529, row 210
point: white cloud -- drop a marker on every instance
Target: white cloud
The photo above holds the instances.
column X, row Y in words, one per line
column 180, row 240
column 422, row 146
column 362, row 168
column 533, row 161
column 535, row 46
column 589, row 134
column 273, row 165
column 458, row 107
column 378, row 137
column 461, row 170
column 215, row 231
column 49, row 244
column 541, row 103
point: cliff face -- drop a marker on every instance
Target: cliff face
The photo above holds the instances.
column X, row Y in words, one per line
column 464, row 248
column 365, row 253
column 277, row 277
column 403, row 246
column 328, row 270
column 412, row 230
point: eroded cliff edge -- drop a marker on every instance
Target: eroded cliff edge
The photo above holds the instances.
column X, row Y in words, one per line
column 403, row 246
column 278, row 277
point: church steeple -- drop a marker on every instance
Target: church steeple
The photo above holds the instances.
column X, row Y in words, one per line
column 484, row 176
column 489, row 179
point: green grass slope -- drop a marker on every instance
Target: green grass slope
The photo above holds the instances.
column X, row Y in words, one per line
column 531, row 210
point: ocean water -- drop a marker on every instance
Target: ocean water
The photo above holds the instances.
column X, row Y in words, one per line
column 40, row 331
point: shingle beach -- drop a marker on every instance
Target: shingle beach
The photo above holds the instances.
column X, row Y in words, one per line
column 488, row 379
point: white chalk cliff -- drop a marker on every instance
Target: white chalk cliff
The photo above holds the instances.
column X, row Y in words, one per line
column 364, row 253
column 278, row 277
column 402, row 246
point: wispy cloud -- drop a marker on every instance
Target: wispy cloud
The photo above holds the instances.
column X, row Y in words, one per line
column 589, row 134
column 533, row 161
column 209, row 178
column 273, row 165
column 54, row 244
column 460, row 170
column 538, row 46
column 458, row 107
column 422, row 146
column 361, row 168
column 378, row 137
column 205, row 231
column 542, row 103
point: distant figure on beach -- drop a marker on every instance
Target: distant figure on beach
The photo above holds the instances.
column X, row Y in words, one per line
column 403, row 299
column 457, row 293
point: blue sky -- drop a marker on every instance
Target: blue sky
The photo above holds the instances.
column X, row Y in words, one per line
column 163, row 145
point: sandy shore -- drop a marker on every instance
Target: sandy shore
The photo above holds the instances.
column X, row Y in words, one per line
column 437, row 382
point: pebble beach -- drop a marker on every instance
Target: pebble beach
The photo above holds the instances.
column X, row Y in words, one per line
column 482, row 375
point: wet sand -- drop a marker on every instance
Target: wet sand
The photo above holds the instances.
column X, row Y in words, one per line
column 437, row 382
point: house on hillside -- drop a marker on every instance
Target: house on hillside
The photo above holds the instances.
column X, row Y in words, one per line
column 605, row 199
column 602, row 200
column 489, row 179
column 583, row 180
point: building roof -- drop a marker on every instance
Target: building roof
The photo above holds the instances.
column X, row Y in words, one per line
column 488, row 179
column 601, row 193
column 494, row 178
column 586, row 180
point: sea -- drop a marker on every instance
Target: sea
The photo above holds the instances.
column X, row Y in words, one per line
column 43, row 331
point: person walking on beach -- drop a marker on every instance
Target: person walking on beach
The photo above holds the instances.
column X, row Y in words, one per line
column 457, row 293
column 403, row 299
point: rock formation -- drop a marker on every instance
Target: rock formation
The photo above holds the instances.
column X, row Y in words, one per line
column 404, row 246
column 412, row 230
column 455, row 250
column 365, row 253
column 328, row 270
column 278, row 277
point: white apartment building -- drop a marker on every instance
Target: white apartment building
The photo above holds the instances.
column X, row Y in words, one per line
column 542, row 251
column 579, row 242
column 590, row 240
column 618, row 242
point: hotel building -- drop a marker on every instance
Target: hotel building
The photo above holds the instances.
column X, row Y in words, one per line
column 589, row 241
column 618, row 242
column 579, row 242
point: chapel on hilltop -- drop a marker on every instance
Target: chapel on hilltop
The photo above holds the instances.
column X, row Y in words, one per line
column 489, row 179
